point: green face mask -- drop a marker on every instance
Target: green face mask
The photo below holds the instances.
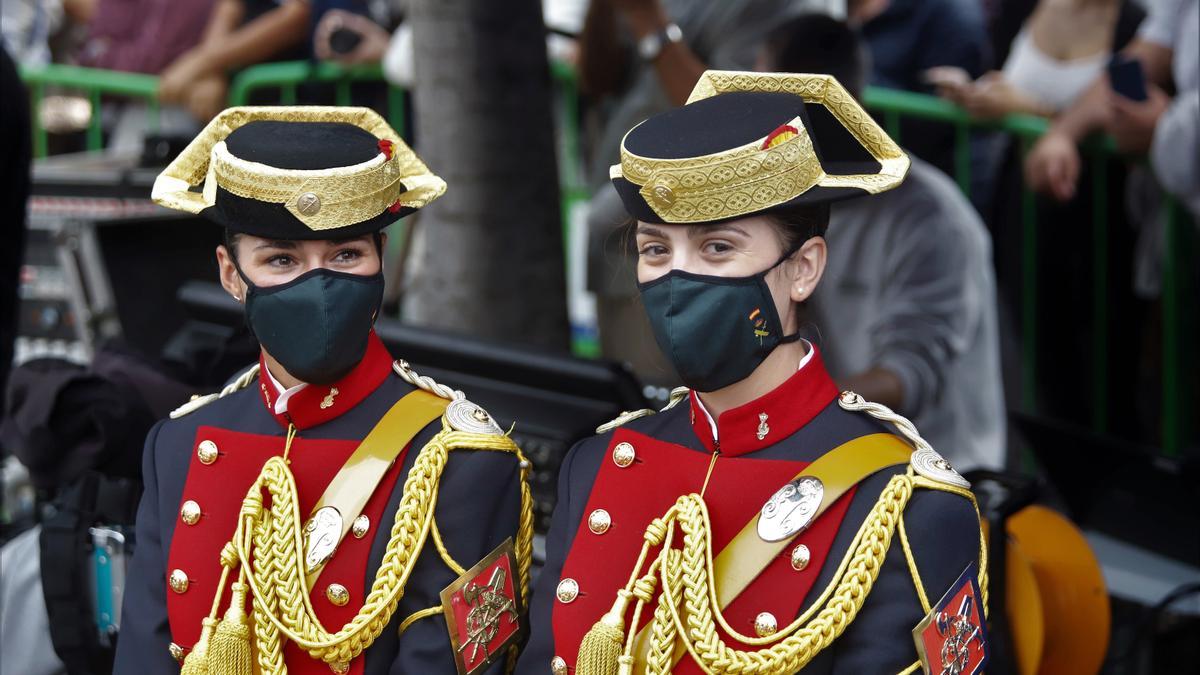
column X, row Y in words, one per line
column 316, row 325
column 715, row 330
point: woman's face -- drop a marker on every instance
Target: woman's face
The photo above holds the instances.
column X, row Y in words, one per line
column 736, row 248
column 268, row 262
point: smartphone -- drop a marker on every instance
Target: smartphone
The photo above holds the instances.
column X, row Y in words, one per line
column 344, row 40
column 1126, row 77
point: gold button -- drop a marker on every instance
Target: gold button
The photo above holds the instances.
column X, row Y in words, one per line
column 765, row 624
column 623, row 455
column 567, row 591
column 337, row 594
column 558, row 665
column 599, row 521
column 176, row 652
column 189, row 513
column 207, row 452
column 340, row 667
column 663, row 196
column 800, row 557
column 178, row 581
column 360, row 526
column 308, row 204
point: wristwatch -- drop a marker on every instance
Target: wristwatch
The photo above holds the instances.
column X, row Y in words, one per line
column 652, row 45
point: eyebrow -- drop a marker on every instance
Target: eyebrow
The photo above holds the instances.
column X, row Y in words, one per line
column 651, row 231
column 277, row 243
column 695, row 231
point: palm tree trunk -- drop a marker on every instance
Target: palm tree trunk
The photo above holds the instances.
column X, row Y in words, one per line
column 488, row 256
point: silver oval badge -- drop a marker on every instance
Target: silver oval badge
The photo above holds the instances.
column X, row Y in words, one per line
column 321, row 535
column 791, row 509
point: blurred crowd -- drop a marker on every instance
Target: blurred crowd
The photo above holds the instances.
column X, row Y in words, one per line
column 921, row 309
column 921, row 305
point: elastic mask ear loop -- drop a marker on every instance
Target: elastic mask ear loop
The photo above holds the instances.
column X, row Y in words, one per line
column 788, row 254
column 377, row 237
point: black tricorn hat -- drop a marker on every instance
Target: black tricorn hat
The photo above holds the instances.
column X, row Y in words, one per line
column 298, row 172
column 748, row 143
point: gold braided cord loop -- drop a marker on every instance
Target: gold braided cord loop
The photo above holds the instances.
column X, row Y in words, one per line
column 694, row 617
column 268, row 542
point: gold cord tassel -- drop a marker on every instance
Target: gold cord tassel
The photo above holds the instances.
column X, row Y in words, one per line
column 196, row 662
column 601, row 649
column 230, row 652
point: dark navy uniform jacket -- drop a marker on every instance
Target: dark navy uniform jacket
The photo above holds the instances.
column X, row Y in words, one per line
column 477, row 509
column 590, row 555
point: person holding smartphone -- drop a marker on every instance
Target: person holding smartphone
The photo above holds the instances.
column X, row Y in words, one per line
column 1167, row 54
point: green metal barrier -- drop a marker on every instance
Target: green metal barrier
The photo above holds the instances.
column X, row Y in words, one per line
column 287, row 76
column 96, row 84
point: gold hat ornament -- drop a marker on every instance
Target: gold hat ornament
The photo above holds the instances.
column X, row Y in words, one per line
column 298, row 172
column 747, row 143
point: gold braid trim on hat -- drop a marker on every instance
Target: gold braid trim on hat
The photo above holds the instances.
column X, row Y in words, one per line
column 750, row 178
column 344, row 195
column 687, row 610
column 266, row 554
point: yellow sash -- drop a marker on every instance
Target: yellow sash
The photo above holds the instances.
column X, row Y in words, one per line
column 354, row 483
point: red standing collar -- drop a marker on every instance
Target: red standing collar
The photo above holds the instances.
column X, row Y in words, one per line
column 772, row 417
column 318, row 403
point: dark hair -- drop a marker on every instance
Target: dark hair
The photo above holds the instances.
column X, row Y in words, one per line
column 798, row 224
column 231, row 241
column 817, row 43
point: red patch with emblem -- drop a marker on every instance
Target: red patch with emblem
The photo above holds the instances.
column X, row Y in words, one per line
column 483, row 610
column 952, row 639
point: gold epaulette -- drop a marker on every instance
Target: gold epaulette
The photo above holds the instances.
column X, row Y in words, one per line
column 677, row 395
column 199, row 401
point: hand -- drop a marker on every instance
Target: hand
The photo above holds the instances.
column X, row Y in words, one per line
column 1053, row 166
column 206, row 97
column 951, row 81
column 1132, row 123
column 991, row 97
column 370, row 49
column 183, row 72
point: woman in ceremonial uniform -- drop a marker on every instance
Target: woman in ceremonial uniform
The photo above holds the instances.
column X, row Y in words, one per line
column 320, row 513
column 762, row 522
